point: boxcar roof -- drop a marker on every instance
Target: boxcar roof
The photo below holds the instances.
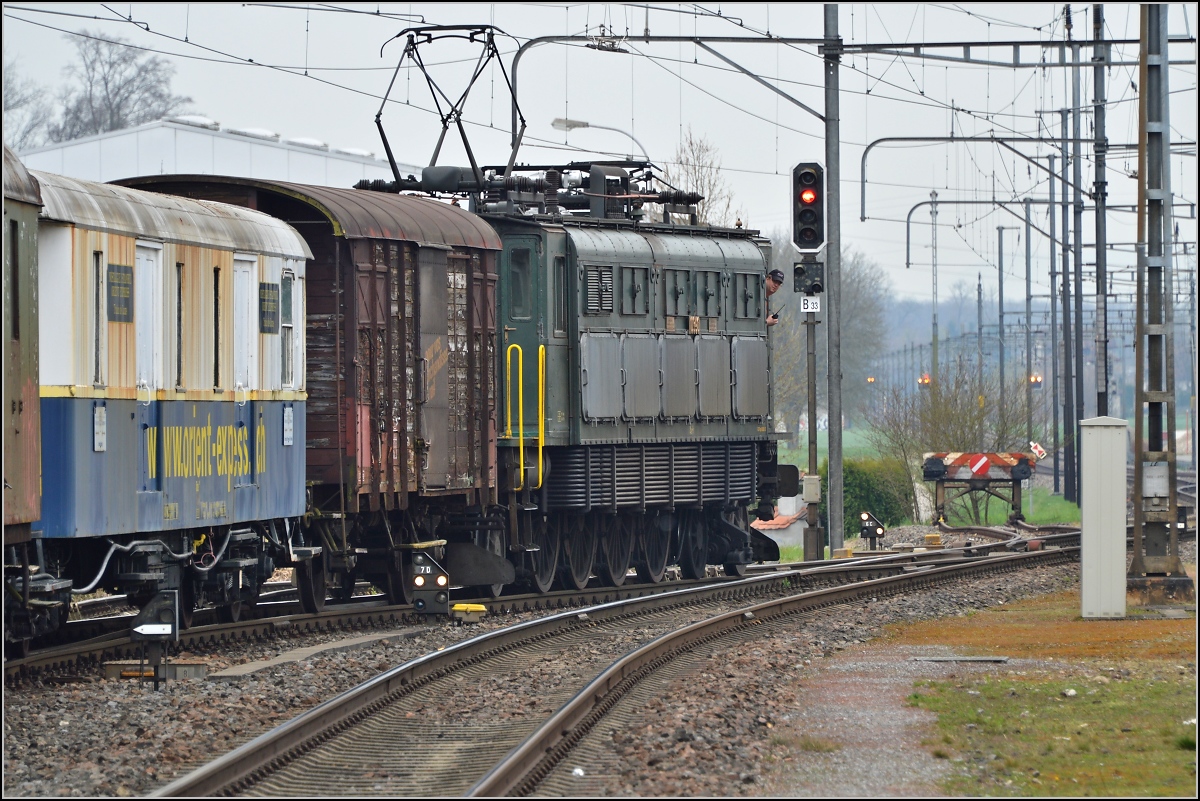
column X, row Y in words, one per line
column 362, row 214
column 18, row 183
column 118, row 209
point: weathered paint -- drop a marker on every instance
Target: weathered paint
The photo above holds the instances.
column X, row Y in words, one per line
column 354, row 214
column 22, row 423
column 168, row 465
column 219, row 226
column 400, row 393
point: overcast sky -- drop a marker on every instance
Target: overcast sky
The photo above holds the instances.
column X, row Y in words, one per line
column 245, row 65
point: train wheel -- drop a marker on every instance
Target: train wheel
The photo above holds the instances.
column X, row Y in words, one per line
column 497, row 543
column 397, row 587
column 656, row 550
column 616, row 545
column 737, row 571
column 693, row 550
column 578, row 538
column 310, row 579
column 231, row 613
column 187, row 604
column 544, row 561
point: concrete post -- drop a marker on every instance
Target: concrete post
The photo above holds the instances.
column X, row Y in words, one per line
column 1103, row 448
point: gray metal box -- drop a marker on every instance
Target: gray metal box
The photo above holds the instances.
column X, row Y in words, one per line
column 1103, row 453
column 752, row 381
column 712, row 355
column 679, row 377
column 601, row 376
column 642, row 376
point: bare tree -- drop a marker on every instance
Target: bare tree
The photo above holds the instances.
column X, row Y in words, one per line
column 866, row 293
column 115, row 86
column 696, row 167
column 26, row 111
column 956, row 414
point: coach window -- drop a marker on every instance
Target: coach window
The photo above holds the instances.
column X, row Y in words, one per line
column 520, row 285
column 179, row 325
column 14, row 279
column 285, row 329
column 100, row 318
column 216, row 327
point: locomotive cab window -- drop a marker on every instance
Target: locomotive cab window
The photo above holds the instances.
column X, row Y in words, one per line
column 520, row 284
column 561, row 298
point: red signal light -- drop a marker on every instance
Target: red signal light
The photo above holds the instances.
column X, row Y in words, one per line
column 808, row 196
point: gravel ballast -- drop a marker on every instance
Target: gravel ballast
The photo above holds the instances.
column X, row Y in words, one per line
column 726, row 726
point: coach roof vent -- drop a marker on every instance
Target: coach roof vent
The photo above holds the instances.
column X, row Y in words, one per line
column 196, row 121
column 302, row 141
column 353, row 151
column 254, row 133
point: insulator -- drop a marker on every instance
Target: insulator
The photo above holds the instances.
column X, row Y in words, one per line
column 376, row 185
column 676, row 197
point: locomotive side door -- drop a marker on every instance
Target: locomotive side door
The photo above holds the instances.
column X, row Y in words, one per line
column 433, row 364
column 522, row 306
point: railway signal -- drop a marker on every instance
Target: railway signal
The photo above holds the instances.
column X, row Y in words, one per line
column 431, row 586
column 808, row 206
column 870, row 529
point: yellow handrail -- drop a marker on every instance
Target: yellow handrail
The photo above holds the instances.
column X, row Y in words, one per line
column 541, row 409
column 520, row 404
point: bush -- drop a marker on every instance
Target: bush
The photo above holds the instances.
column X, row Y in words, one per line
column 879, row 486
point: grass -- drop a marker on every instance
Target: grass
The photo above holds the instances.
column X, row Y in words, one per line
column 1040, row 507
column 795, row 553
column 855, row 445
column 1112, row 715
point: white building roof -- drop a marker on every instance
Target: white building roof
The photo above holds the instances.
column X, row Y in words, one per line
column 192, row 144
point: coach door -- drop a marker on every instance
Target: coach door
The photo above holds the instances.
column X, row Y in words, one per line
column 148, row 323
column 521, row 309
column 433, row 365
column 246, row 304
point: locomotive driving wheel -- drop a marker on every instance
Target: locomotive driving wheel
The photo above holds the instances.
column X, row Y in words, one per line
column 577, row 536
column 693, row 544
column 655, row 549
column 543, row 562
column 310, row 580
column 616, row 545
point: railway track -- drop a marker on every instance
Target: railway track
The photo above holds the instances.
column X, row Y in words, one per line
column 436, row 722
column 99, row 639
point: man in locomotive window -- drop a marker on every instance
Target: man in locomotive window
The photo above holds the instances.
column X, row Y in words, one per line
column 774, row 281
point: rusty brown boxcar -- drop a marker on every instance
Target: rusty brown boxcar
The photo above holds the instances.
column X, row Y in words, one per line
column 401, row 333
